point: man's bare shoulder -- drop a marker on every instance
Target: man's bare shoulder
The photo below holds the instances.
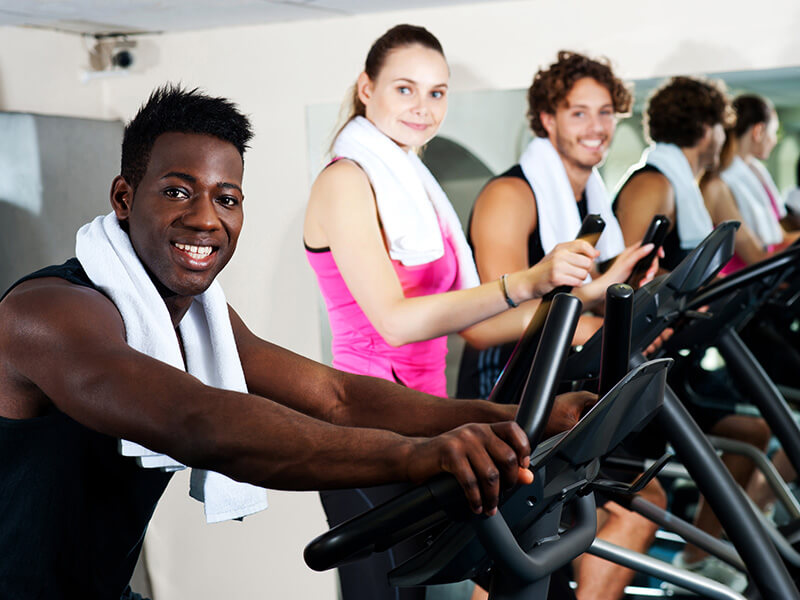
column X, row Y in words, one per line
column 37, row 317
column 653, row 182
column 650, row 187
column 508, row 189
column 48, row 297
column 714, row 186
column 506, row 198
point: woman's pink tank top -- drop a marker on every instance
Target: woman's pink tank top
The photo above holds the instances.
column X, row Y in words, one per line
column 358, row 348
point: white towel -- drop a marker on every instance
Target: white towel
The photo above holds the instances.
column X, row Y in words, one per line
column 793, row 200
column 556, row 209
column 106, row 254
column 753, row 202
column 408, row 198
column 694, row 222
column 768, row 181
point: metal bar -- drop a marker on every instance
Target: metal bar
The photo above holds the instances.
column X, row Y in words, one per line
column 544, row 377
column 789, row 554
column 657, row 568
column 763, row 393
column 687, row 531
column 763, row 464
column 726, row 499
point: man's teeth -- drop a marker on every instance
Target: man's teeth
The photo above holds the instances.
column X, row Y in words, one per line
column 197, row 252
column 592, row 143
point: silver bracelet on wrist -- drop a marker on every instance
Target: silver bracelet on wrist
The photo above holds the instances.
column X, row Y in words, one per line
column 504, row 285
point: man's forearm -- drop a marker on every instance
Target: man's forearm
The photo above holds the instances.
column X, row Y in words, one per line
column 372, row 402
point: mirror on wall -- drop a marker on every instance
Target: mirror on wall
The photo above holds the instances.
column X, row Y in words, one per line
column 485, row 132
column 490, row 127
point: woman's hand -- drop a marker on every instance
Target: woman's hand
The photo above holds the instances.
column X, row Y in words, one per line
column 618, row 272
column 567, row 264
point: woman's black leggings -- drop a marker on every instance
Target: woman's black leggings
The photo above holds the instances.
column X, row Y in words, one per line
column 366, row 579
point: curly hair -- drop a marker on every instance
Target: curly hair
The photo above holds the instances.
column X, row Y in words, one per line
column 173, row 109
column 550, row 87
column 678, row 111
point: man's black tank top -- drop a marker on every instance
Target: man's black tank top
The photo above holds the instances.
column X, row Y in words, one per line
column 673, row 253
column 480, row 369
column 74, row 511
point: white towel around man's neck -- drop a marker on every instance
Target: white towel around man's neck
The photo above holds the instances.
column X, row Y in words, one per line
column 408, row 198
column 106, row 254
column 556, row 209
column 694, row 222
column 753, row 202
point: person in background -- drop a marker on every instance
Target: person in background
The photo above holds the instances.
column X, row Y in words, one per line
column 685, row 119
column 743, row 190
column 792, row 220
column 573, row 107
column 391, row 259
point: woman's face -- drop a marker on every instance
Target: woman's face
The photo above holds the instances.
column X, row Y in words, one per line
column 407, row 101
column 766, row 138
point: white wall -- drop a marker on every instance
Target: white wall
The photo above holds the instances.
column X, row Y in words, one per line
column 274, row 73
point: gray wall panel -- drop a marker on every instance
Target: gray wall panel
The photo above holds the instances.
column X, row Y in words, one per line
column 78, row 158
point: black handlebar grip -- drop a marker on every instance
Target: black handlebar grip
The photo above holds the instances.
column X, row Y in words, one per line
column 591, row 228
column 616, row 344
column 508, row 386
column 547, row 368
column 656, row 234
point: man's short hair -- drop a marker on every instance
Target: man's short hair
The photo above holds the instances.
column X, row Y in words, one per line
column 678, row 111
column 173, row 109
column 550, row 87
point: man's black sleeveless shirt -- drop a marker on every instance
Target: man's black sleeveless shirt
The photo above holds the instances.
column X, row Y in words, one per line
column 480, row 369
column 73, row 511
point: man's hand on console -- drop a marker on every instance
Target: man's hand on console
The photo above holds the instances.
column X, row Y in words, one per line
column 484, row 458
column 567, row 411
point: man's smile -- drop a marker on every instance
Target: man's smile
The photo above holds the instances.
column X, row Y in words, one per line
column 194, row 256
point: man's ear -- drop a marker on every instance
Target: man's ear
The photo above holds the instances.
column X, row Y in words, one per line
column 708, row 134
column 121, row 198
column 548, row 121
column 364, row 88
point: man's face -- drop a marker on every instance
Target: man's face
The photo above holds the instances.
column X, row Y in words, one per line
column 710, row 146
column 583, row 126
column 186, row 214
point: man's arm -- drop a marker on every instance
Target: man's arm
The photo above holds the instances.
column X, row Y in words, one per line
column 721, row 206
column 68, row 342
column 352, row 400
column 646, row 195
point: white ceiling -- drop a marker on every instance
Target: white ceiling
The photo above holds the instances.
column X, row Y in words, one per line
column 130, row 16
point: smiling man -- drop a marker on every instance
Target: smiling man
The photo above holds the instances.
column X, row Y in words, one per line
column 520, row 215
column 128, row 357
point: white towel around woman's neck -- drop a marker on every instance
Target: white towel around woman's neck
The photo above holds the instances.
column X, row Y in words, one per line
column 106, row 254
column 694, row 222
column 408, row 198
column 767, row 180
column 556, row 209
column 753, row 202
